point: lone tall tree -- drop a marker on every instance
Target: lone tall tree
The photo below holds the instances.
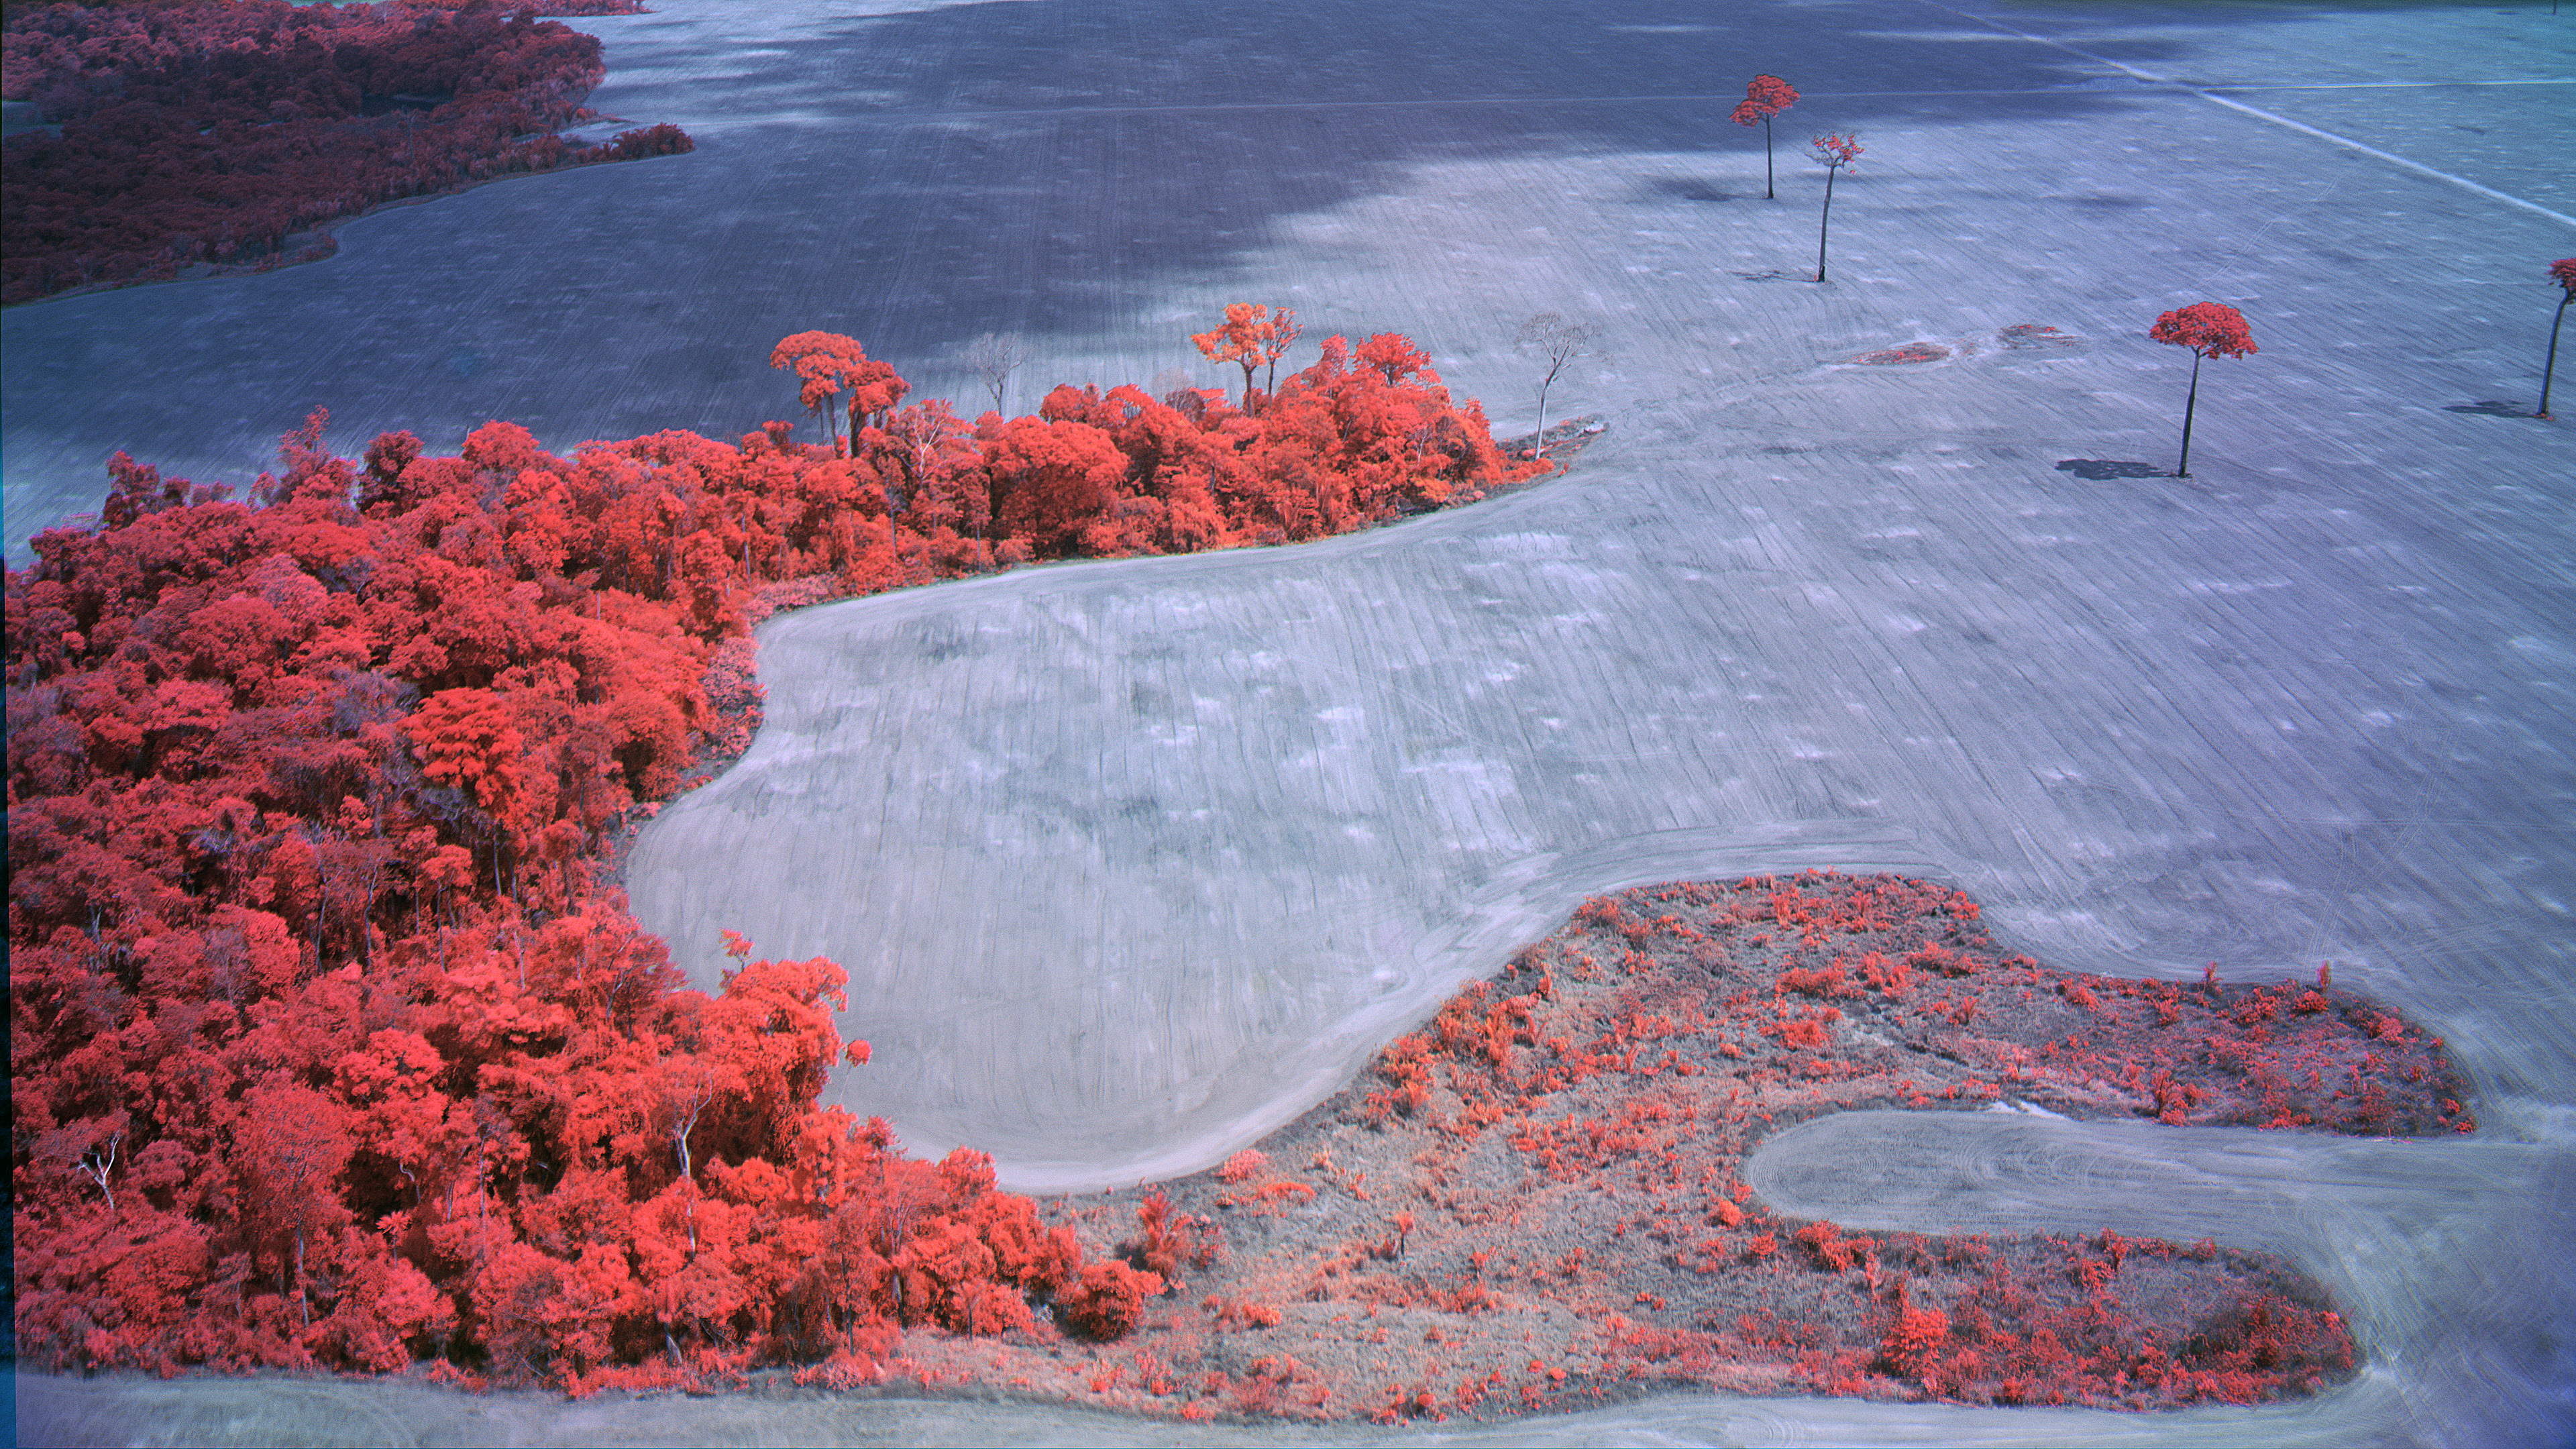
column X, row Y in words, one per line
column 1836, row 152
column 2563, row 272
column 994, row 356
column 1765, row 96
column 1251, row 338
column 2209, row 329
column 1556, row 342
column 828, row 365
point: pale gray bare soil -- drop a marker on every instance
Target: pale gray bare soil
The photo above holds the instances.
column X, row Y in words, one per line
column 143, row 1412
column 1132, row 861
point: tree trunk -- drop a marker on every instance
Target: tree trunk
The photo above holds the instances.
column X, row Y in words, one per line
column 1768, row 193
column 2190, row 401
column 1825, row 225
column 2550, row 367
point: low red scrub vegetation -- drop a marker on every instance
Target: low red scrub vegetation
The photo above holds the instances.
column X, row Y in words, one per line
column 332, row 1041
column 197, row 132
column 1534, row 1202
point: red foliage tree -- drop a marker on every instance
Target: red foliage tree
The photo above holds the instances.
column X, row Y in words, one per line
column 1053, row 478
column 333, row 1043
column 2209, row 329
column 1251, row 338
column 1765, row 96
column 2562, row 272
column 1835, row 153
column 828, row 365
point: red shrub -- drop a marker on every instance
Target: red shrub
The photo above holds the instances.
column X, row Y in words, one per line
column 1912, row 1340
column 1108, row 1301
column 1830, row 1248
column 1825, row 982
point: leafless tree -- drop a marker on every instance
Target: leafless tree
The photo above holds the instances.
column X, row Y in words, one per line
column 1169, row 381
column 995, row 356
column 1556, row 342
column 98, row 1162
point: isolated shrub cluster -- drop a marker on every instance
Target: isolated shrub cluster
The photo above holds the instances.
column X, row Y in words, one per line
column 333, row 1042
column 1663, row 1031
column 1539, row 1200
column 196, row 131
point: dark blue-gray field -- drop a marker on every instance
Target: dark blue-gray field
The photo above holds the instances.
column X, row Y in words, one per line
column 1131, row 861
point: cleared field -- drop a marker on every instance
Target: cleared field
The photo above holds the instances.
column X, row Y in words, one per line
column 1104, row 178
column 1129, row 861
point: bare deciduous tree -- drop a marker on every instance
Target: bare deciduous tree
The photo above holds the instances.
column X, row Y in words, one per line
column 994, row 356
column 1556, row 342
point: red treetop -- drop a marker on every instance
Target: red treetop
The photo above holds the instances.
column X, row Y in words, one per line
column 1765, row 96
column 2563, row 272
column 828, row 363
column 1835, row 151
column 1250, row 334
column 2212, row 329
column 1250, row 339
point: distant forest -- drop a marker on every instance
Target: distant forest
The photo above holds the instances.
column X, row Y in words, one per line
column 224, row 132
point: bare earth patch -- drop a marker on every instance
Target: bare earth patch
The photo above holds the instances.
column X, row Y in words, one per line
column 1910, row 352
column 2033, row 337
column 1534, row 1202
column 1561, row 444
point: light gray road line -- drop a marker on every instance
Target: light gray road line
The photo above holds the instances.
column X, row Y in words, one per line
column 2388, row 156
column 2210, row 94
column 2387, row 85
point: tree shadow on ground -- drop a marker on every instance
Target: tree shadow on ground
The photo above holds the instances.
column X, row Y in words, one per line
column 1687, row 188
column 2105, row 470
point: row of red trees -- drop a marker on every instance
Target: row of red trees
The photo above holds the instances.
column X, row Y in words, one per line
column 1365, row 434
column 208, row 132
column 332, row 1042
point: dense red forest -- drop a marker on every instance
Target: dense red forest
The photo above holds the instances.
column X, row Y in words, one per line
column 210, row 131
column 332, row 1041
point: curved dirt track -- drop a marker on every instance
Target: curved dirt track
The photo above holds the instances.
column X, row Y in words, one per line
column 142, row 1412
column 1129, row 861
